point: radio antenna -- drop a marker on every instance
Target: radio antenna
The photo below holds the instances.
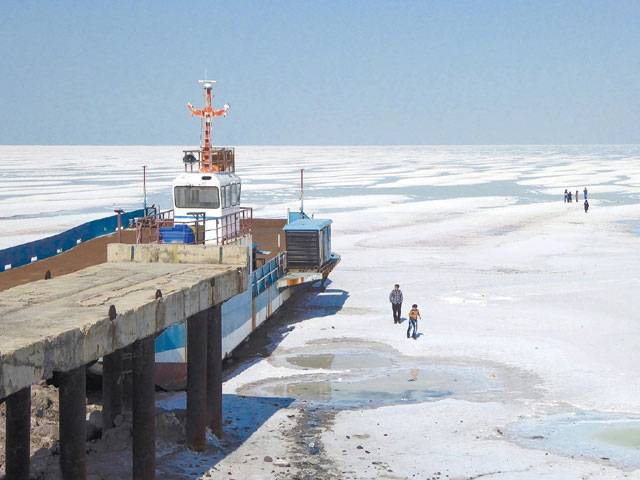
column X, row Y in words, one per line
column 206, row 114
column 301, row 190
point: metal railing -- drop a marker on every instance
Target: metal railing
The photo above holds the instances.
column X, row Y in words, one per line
column 148, row 227
column 219, row 231
column 222, row 158
column 266, row 275
column 230, row 227
column 163, row 215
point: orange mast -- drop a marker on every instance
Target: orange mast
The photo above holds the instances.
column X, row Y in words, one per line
column 207, row 113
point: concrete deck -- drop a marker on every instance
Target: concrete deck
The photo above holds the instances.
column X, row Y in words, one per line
column 63, row 323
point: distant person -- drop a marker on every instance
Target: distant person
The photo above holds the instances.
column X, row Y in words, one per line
column 577, row 196
column 584, row 193
column 395, row 297
column 414, row 315
column 566, row 195
column 586, row 206
column 569, row 198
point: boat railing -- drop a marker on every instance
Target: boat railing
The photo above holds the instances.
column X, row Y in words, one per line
column 148, row 226
column 222, row 159
column 220, row 231
column 161, row 215
column 229, row 227
column 266, row 275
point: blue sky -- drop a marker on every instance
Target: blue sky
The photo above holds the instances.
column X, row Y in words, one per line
column 322, row 72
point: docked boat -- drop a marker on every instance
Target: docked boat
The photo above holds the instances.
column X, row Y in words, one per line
column 285, row 252
column 207, row 209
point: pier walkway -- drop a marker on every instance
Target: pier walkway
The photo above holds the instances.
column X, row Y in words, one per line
column 54, row 328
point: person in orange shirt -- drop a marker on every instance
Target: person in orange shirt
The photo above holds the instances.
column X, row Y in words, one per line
column 414, row 315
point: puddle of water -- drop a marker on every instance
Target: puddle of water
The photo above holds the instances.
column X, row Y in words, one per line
column 384, row 386
column 621, row 436
column 614, row 439
column 352, row 373
column 342, row 361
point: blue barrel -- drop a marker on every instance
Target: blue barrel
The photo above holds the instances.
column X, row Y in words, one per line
column 179, row 233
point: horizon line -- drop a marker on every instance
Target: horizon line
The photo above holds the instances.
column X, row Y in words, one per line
column 324, row 145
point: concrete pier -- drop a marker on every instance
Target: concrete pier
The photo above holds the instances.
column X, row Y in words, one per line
column 62, row 324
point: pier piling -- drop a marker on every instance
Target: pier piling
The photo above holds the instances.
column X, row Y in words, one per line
column 18, row 435
column 126, row 376
column 144, row 417
column 73, row 411
column 214, row 369
column 111, row 388
column 197, row 381
column 67, row 329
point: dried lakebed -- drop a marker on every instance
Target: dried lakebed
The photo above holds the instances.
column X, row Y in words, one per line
column 348, row 374
column 351, row 374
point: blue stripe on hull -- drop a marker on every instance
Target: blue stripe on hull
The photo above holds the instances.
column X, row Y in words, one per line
column 173, row 337
column 237, row 323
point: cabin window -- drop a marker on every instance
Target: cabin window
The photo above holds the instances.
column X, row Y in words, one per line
column 227, row 194
column 196, row 197
column 234, row 193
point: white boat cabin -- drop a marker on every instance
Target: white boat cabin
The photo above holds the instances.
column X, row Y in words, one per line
column 210, row 200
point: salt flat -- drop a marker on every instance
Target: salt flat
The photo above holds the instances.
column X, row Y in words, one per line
column 530, row 304
column 541, row 293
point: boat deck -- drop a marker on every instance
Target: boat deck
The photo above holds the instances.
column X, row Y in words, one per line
column 86, row 254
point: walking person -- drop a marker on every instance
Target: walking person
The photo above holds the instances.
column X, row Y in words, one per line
column 395, row 297
column 569, row 197
column 414, row 315
column 586, row 205
column 566, row 195
column 584, row 192
column 577, row 196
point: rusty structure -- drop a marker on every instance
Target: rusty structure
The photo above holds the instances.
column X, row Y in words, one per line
column 207, row 114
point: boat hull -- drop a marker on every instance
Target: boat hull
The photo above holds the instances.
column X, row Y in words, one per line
column 241, row 315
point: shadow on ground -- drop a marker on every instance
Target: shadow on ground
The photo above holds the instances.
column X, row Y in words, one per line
column 243, row 416
column 306, row 303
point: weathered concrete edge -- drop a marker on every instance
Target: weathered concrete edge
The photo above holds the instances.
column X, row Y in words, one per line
column 178, row 253
column 76, row 347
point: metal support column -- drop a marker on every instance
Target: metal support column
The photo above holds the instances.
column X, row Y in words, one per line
column 127, row 377
column 73, row 411
column 18, row 435
column 214, row 370
column 196, row 381
column 111, row 388
column 144, row 410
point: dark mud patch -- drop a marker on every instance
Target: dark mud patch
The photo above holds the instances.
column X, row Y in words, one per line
column 308, row 453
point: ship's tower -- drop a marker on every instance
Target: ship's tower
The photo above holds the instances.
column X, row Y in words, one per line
column 206, row 114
